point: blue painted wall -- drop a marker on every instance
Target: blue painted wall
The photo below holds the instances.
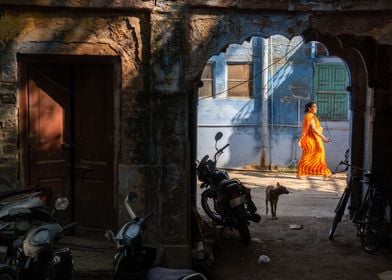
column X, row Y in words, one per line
column 289, row 88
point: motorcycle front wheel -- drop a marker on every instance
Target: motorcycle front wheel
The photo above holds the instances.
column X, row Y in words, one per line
column 7, row 273
column 209, row 204
column 6, row 276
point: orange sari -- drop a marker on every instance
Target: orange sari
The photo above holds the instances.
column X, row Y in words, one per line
column 313, row 160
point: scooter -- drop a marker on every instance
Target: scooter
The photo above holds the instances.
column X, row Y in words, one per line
column 28, row 233
column 135, row 260
column 226, row 201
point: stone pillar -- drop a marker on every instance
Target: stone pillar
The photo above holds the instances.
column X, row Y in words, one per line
column 382, row 148
column 8, row 136
column 170, row 125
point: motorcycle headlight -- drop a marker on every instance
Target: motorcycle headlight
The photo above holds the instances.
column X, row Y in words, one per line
column 132, row 231
column 41, row 237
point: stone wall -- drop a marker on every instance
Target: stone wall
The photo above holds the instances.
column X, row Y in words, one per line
column 81, row 34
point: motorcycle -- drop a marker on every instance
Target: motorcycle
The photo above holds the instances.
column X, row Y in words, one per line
column 28, row 233
column 226, row 201
column 135, row 260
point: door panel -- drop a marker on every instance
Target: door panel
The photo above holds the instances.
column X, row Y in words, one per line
column 47, row 124
column 94, row 149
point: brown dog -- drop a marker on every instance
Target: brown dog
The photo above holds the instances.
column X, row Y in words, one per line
column 272, row 195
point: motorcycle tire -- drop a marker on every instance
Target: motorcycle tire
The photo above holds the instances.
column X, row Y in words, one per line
column 7, row 273
column 6, row 276
column 208, row 203
column 243, row 230
column 242, row 224
column 64, row 268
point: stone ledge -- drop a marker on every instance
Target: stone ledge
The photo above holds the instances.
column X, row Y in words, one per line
column 291, row 5
column 98, row 4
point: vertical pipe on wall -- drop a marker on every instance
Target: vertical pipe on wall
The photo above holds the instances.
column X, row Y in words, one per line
column 271, row 90
column 369, row 119
column 265, row 158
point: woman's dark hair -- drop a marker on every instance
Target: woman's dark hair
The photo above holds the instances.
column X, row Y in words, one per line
column 308, row 105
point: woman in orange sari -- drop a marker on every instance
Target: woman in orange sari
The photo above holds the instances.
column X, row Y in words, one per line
column 312, row 161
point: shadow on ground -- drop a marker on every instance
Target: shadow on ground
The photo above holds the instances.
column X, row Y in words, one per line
column 298, row 254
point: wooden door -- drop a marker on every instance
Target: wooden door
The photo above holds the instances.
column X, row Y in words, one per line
column 69, row 139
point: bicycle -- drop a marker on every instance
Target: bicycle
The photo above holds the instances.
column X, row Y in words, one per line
column 372, row 217
column 341, row 207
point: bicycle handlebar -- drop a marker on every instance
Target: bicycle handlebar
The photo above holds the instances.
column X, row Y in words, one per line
column 350, row 165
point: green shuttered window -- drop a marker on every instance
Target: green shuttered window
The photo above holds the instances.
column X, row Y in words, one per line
column 330, row 83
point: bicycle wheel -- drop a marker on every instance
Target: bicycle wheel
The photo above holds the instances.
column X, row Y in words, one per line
column 373, row 227
column 339, row 212
column 372, row 237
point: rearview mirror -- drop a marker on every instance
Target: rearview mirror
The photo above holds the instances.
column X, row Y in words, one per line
column 61, row 203
column 218, row 136
column 132, row 197
column 110, row 235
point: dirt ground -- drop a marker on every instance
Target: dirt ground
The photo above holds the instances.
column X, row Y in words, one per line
column 297, row 254
column 304, row 254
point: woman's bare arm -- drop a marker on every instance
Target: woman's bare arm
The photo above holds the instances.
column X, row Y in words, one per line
column 313, row 127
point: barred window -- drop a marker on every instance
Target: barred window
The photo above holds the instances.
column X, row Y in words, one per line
column 207, row 78
column 239, row 83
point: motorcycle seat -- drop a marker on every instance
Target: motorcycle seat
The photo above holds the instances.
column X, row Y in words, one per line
column 161, row 273
column 228, row 183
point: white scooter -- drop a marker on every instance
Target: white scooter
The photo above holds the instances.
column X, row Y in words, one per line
column 134, row 260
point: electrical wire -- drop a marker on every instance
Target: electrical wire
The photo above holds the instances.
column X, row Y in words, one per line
column 86, row 99
column 257, row 74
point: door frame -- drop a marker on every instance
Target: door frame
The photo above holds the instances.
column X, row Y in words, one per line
column 23, row 60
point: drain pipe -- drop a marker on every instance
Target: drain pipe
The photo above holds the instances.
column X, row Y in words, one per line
column 271, row 90
column 265, row 158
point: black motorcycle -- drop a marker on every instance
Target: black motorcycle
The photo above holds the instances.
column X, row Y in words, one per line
column 226, row 201
column 28, row 235
column 134, row 260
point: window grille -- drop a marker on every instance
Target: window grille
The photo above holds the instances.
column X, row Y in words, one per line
column 239, row 83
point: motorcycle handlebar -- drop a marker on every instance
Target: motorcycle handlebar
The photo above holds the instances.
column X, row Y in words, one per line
column 227, row 145
column 148, row 216
column 69, row 226
column 221, row 149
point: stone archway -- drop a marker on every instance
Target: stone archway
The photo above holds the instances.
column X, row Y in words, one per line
column 347, row 47
column 358, row 51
